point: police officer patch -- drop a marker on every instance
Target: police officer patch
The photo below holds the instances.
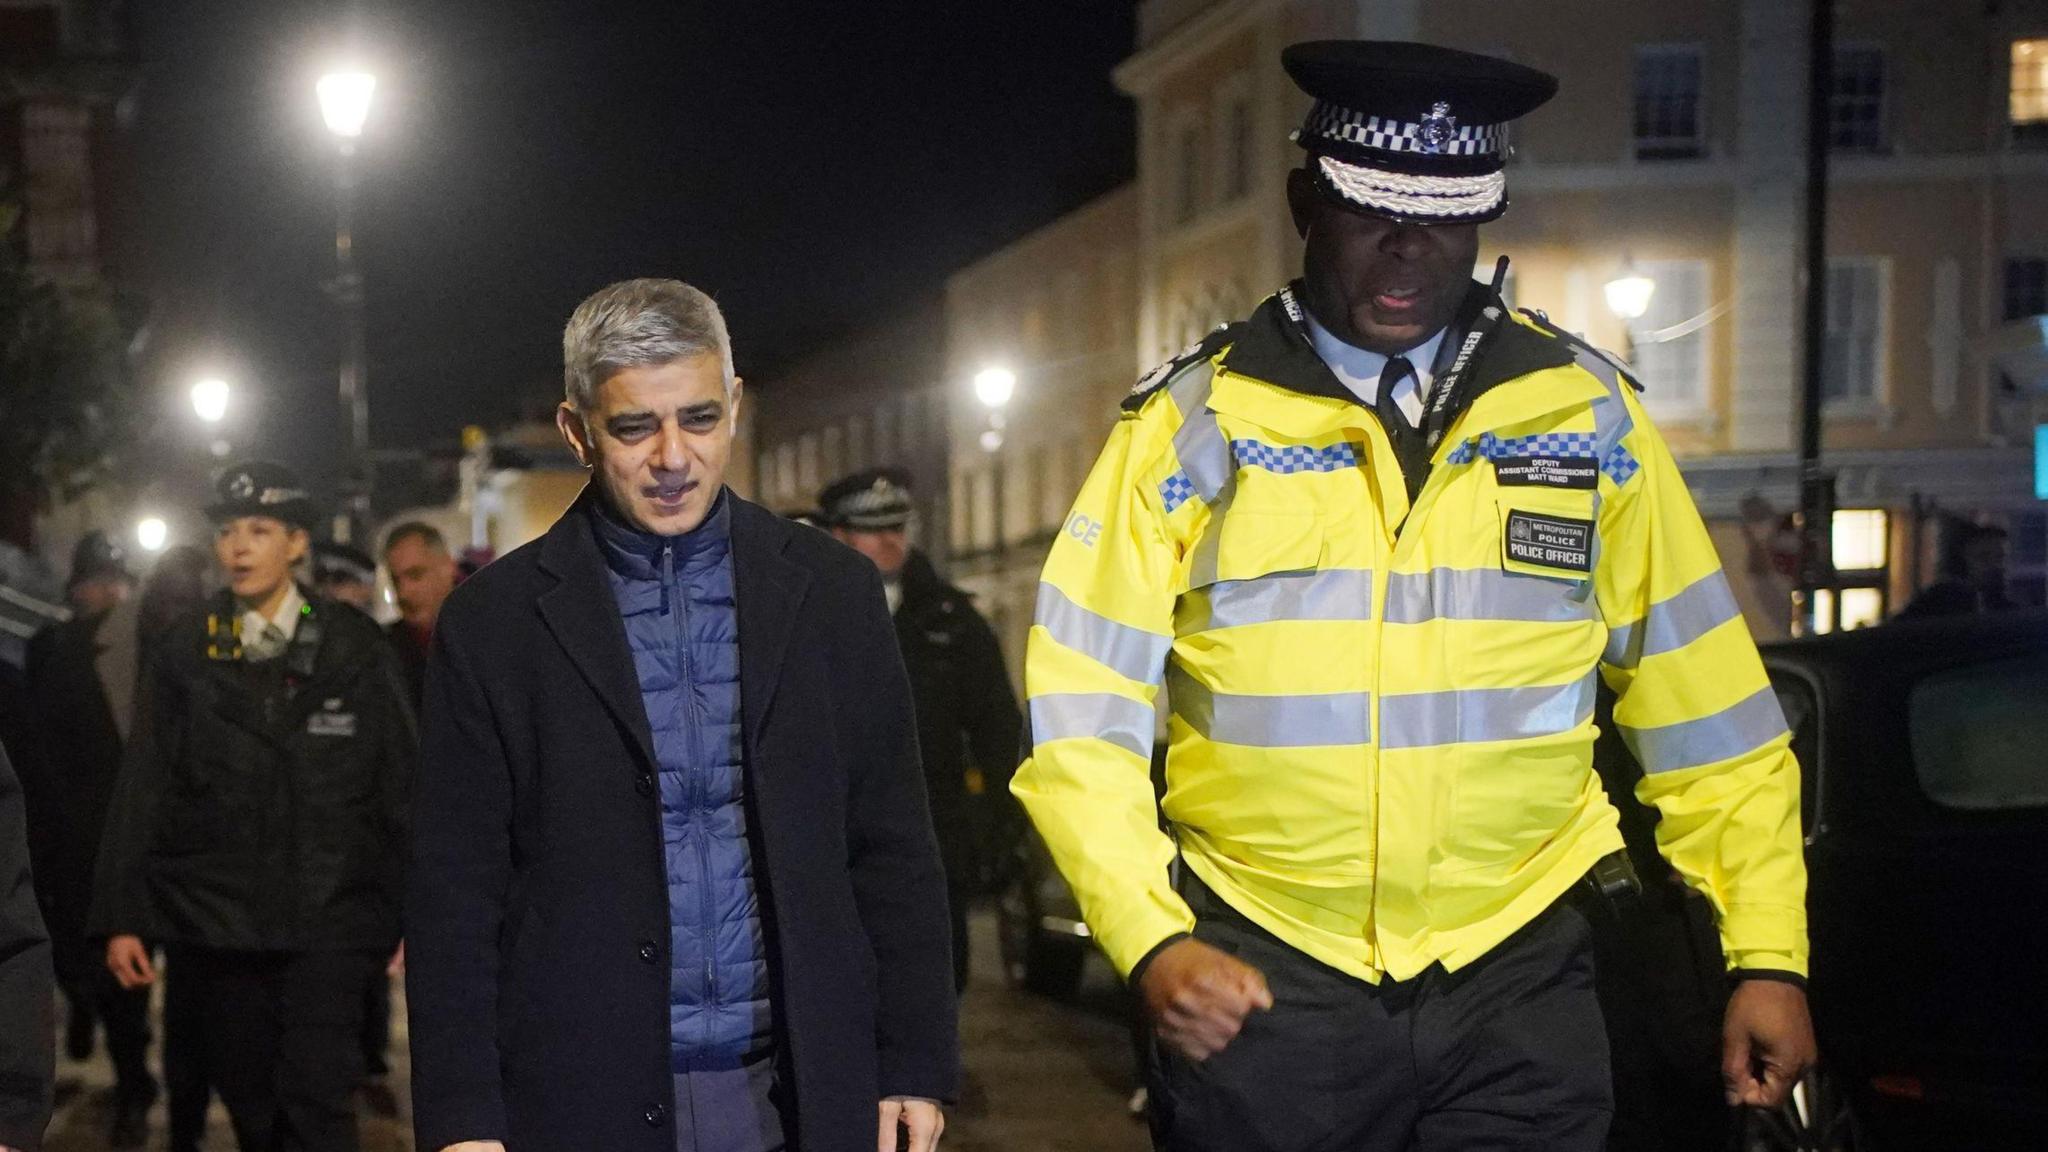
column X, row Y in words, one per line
column 1563, row 542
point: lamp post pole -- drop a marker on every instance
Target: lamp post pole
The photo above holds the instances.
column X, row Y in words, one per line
column 993, row 387
column 1816, row 484
column 345, row 104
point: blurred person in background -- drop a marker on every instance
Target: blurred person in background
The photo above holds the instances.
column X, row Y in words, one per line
column 258, row 825
column 99, row 575
column 345, row 575
column 81, row 683
column 1973, row 575
column 27, row 1032
column 423, row 573
column 968, row 723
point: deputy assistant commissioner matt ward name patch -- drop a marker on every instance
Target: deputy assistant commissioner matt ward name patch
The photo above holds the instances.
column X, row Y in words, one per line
column 1550, row 541
column 1574, row 472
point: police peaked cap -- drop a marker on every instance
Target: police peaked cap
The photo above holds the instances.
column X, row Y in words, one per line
column 1412, row 132
column 874, row 501
column 261, row 488
column 341, row 562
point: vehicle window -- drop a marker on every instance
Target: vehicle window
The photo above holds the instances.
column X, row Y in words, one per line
column 1795, row 696
column 1978, row 733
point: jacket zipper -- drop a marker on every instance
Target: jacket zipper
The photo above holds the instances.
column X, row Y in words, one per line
column 696, row 790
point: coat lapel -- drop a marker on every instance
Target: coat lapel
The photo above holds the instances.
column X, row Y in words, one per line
column 770, row 589
column 584, row 618
column 115, row 659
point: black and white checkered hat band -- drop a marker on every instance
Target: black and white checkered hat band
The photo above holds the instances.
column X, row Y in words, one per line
column 1415, row 197
column 1327, row 121
column 876, row 508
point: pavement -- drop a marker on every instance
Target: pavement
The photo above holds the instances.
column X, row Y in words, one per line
column 1042, row 1076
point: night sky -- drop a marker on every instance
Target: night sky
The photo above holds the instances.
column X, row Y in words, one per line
column 813, row 165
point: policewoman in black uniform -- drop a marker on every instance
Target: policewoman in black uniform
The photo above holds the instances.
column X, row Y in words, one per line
column 258, row 827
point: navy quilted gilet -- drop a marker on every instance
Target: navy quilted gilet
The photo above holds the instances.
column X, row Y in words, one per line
column 676, row 595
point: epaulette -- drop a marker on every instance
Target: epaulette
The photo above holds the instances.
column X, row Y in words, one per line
column 1542, row 320
column 1163, row 375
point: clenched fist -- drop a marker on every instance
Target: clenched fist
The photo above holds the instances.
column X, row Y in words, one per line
column 1199, row 996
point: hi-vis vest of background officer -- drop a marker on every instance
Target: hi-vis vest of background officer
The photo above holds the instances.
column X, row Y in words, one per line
column 1380, row 717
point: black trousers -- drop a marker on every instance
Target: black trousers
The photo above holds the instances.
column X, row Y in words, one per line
column 1506, row 1053
column 377, row 1026
column 185, row 1059
column 124, row 1013
column 282, row 1039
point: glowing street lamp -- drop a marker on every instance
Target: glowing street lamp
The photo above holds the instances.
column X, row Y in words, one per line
column 1628, row 294
column 152, row 533
column 345, row 101
column 994, row 386
column 210, row 399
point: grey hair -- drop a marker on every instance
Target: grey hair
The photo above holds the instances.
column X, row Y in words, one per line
column 637, row 324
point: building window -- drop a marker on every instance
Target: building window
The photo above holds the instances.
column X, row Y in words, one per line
column 1187, row 170
column 2026, row 287
column 1234, row 143
column 2027, row 104
column 1670, row 347
column 1670, row 121
column 1856, row 120
column 1858, row 539
column 1852, row 363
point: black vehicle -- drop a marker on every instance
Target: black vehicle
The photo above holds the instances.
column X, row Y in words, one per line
column 1924, row 754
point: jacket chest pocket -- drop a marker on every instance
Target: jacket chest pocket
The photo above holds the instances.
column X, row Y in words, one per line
column 1251, row 567
column 1547, row 533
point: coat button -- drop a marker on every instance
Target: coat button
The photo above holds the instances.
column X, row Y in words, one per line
column 649, row 952
column 644, row 785
column 655, row 1115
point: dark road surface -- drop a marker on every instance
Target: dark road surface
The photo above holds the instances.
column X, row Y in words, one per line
column 1042, row 1077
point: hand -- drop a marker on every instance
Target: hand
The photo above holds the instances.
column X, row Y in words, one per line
column 1198, row 996
column 128, row 960
column 397, row 965
column 1766, row 1042
column 475, row 1146
column 921, row 1118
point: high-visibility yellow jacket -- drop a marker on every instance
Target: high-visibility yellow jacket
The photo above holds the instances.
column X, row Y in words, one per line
column 1380, row 718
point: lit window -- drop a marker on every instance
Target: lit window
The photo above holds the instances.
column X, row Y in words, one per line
column 1670, row 118
column 1860, row 539
column 1852, row 363
column 1861, row 608
column 2027, row 104
column 1856, row 109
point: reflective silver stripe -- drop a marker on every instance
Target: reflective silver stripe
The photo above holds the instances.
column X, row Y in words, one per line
column 1475, row 715
column 1199, row 443
column 1704, row 605
column 1481, row 594
column 1122, row 721
column 1741, row 727
column 1132, row 653
column 1329, row 594
column 1341, row 718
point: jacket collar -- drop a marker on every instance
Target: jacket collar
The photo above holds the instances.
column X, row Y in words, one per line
column 1274, row 348
column 635, row 554
column 581, row 614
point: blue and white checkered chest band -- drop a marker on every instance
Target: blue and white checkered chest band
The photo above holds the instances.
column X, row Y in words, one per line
column 1434, row 136
column 1448, row 197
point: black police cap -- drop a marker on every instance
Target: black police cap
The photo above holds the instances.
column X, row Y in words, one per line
column 262, row 488
column 875, row 500
column 1412, row 131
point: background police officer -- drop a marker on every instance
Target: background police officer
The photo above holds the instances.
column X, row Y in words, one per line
column 967, row 718
column 1375, row 542
column 259, row 823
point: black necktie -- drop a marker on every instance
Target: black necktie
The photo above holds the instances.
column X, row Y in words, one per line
column 1409, row 447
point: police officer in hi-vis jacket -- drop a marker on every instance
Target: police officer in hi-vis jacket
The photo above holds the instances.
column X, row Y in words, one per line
column 1375, row 542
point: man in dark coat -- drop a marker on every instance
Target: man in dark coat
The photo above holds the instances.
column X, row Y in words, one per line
column 27, row 1056
column 82, row 677
column 606, row 708
column 968, row 723
column 258, row 826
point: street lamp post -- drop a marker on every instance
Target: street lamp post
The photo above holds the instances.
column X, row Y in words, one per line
column 345, row 105
column 993, row 386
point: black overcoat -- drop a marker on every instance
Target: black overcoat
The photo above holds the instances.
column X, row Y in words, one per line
column 537, row 916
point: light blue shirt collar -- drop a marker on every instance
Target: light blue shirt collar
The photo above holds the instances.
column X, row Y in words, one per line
column 1359, row 370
